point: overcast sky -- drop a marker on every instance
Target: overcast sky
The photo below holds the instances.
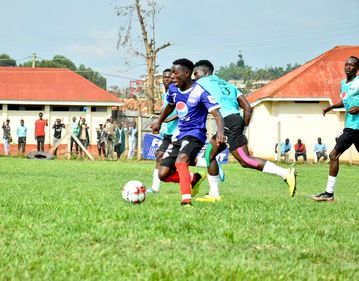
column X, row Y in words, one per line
column 269, row 33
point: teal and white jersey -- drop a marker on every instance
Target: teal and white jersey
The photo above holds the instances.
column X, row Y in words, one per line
column 349, row 92
column 223, row 92
column 170, row 127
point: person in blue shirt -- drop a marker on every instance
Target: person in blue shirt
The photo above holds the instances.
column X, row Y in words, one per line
column 349, row 93
column 230, row 101
column 168, row 127
column 284, row 149
column 21, row 132
column 320, row 150
column 192, row 103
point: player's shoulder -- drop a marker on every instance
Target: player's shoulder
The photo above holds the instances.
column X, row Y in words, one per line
column 172, row 88
column 355, row 82
column 199, row 90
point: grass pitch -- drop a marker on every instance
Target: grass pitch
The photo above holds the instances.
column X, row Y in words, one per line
column 65, row 220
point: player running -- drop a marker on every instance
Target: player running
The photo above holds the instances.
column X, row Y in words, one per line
column 193, row 104
column 230, row 99
column 168, row 127
column 349, row 92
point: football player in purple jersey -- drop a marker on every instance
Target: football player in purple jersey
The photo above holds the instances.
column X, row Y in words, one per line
column 193, row 104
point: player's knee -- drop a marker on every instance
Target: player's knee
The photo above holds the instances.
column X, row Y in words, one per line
column 162, row 175
column 333, row 156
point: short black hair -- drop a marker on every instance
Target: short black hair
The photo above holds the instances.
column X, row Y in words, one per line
column 184, row 62
column 166, row 70
column 356, row 58
column 205, row 63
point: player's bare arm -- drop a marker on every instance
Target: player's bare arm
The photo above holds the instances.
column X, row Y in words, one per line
column 330, row 107
column 220, row 126
column 157, row 124
column 247, row 109
column 167, row 120
column 354, row 110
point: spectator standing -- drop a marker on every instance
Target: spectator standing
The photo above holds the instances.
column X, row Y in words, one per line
column 83, row 135
column 320, row 150
column 300, row 150
column 40, row 132
column 6, row 136
column 101, row 145
column 284, row 149
column 75, row 131
column 58, row 126
column 110, row 137
column 120, row 140
column 21, row 132
column 132, row 136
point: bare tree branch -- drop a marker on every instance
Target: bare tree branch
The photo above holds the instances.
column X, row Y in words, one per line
column 163, row 47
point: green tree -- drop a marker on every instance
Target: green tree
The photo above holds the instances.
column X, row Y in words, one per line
column 59, row 61
column 6, row 60
column 241, row 71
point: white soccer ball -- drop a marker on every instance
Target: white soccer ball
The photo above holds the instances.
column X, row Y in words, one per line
column 134, row 192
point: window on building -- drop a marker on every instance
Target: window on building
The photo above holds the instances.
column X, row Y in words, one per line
column 98, row 108
column 22, row 107
column 60, row 108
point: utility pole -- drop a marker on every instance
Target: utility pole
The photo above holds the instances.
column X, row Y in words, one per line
column 33, row 60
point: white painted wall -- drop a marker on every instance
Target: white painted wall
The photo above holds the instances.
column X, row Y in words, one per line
column 298, row 120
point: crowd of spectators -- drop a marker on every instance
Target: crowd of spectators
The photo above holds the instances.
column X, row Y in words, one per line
column 111, row 137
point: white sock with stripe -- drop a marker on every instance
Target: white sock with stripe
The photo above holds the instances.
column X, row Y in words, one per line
column 272, row 168
column 155, row 181
column 213, row 185
column 331, row 184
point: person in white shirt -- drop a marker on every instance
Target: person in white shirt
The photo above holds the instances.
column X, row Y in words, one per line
column 132, row 136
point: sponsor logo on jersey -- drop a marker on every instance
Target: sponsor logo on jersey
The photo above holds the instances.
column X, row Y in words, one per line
column 182, row 109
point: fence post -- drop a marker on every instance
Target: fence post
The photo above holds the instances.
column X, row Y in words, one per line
column 139, row 133
column 279, row 148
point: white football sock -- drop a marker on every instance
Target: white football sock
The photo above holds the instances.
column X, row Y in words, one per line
column 213, row 185
column 155, row 181
column 272, row 168
column 331, row 184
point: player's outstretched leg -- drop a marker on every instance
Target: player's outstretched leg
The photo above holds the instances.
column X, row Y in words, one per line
column 155, row 188
column 328, row 194
column 247, row 161
column 213, row 172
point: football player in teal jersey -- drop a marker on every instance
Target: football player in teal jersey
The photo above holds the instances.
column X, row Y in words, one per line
column 168, row 127
column 230, row 101
column 349, row 92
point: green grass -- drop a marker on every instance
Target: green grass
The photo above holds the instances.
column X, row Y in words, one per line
column 65, row 220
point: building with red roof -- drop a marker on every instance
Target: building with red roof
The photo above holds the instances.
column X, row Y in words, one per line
column 58, row 93
column 291, row 106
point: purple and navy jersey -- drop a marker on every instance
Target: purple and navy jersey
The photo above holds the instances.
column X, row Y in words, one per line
column 192, row 107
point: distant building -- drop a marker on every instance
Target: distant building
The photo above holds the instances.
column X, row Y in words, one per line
column 296, row 100
column 58, row 93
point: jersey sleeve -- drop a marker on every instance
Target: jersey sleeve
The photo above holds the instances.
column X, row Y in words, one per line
column 209, row 102
column 170, row 97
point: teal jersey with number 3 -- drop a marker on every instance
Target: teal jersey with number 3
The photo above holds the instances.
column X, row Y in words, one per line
column 349, row 92
column 223, row 92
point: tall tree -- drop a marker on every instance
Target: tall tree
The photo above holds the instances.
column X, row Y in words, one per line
column 6, row 60
column 148, row 34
